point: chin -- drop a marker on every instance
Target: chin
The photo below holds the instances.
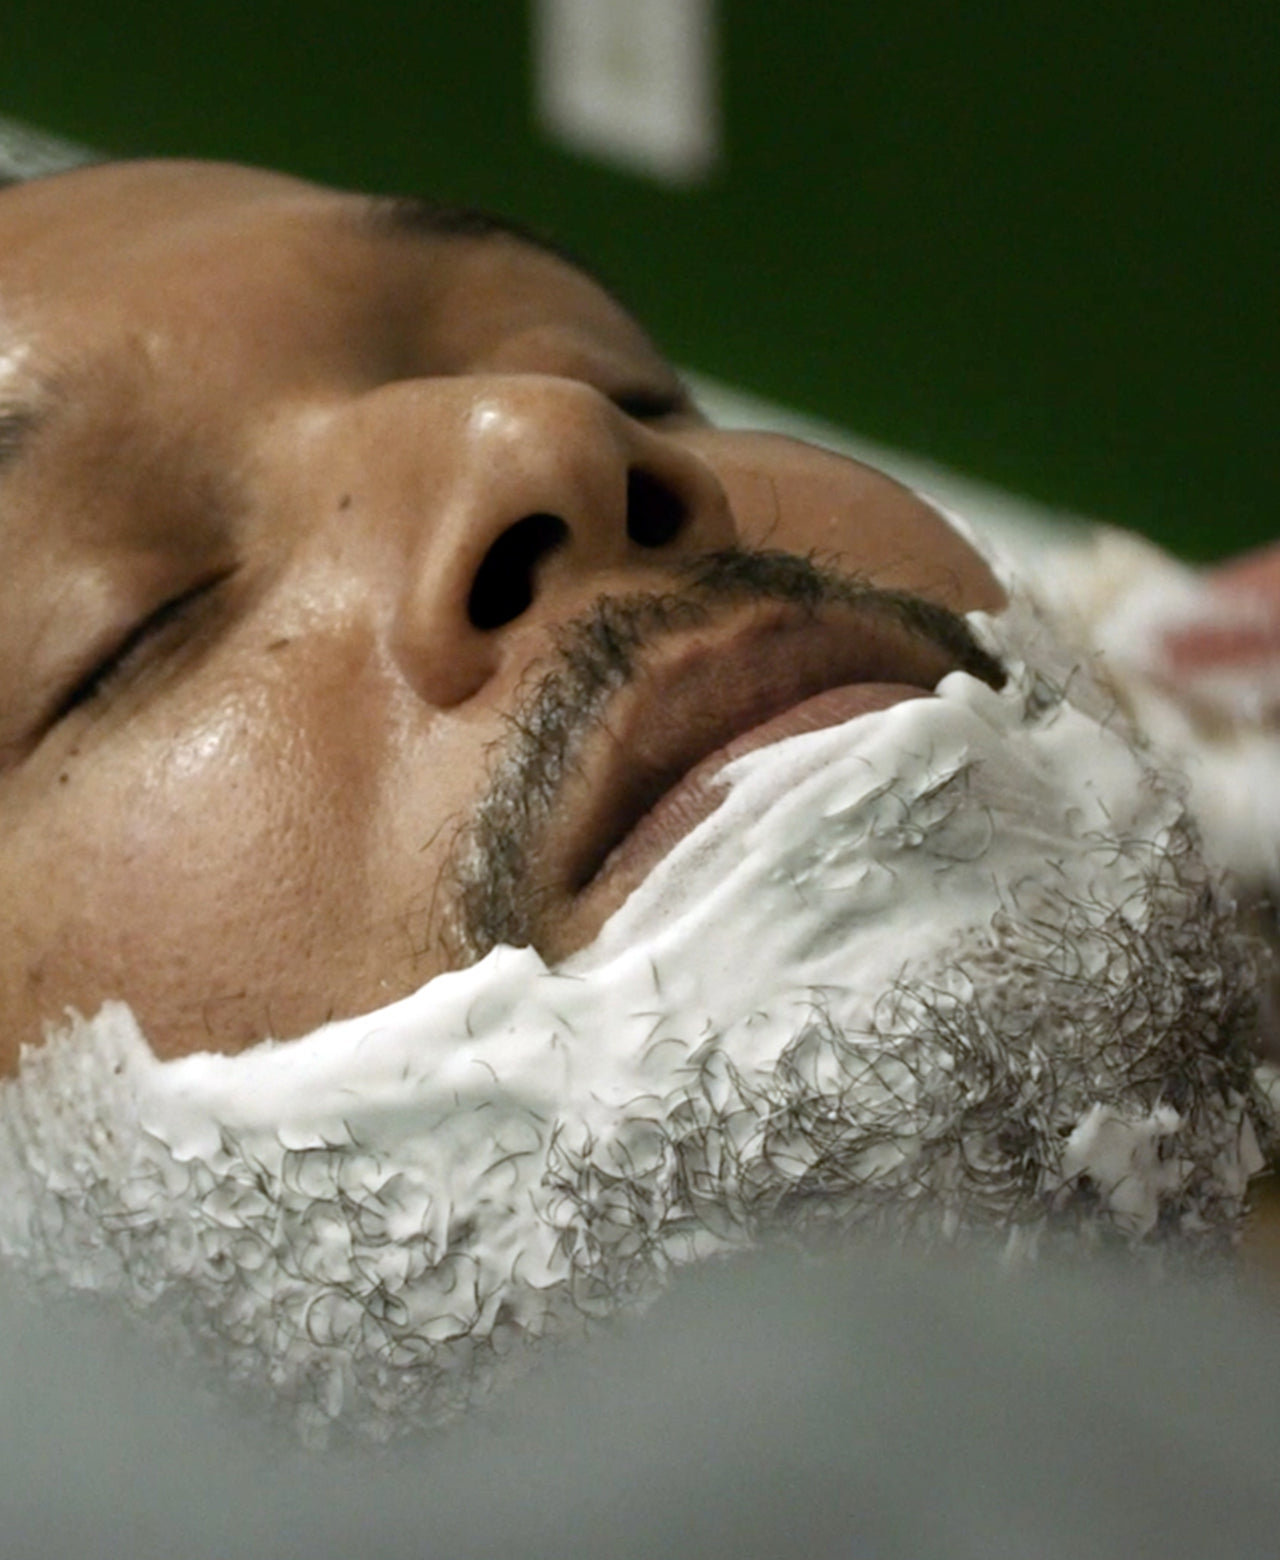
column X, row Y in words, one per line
column 955, row 970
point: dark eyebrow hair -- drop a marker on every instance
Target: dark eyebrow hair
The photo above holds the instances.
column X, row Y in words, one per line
column 413, row 216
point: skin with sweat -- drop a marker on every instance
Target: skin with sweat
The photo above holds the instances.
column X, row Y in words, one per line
column 256, row 446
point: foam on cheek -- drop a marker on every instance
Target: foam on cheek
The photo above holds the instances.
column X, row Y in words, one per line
column 840, row 859
column 807, row 868
column 843, row 858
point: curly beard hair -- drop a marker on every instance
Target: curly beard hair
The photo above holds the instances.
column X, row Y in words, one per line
column 377, row 1220
column 1080, row 1075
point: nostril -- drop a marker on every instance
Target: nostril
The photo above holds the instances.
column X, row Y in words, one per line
column 503, row 586
column 655, row 514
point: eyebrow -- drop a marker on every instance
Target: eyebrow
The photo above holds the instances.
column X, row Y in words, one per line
column 414, row 216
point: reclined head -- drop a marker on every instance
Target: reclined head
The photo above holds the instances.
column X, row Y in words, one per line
column 374, row 601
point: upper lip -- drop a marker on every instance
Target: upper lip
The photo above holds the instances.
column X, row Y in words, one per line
column 702, row 688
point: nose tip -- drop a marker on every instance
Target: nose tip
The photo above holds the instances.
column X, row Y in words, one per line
column 553, row 496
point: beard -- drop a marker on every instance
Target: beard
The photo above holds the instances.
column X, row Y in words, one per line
column 957, row 967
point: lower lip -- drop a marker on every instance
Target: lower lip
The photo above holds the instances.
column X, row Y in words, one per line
column 700, row 792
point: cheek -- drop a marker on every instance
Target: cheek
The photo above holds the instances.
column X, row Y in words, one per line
column 801, row 499
column 257, row 870
column 215, row 879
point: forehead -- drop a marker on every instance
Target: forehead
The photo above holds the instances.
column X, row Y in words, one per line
column 89, row 231
column 185, row 247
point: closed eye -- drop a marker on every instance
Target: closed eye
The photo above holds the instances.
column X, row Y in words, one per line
column 651, row 405
column 129, row 652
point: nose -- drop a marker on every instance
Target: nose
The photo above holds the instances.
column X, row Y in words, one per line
column 548, row 496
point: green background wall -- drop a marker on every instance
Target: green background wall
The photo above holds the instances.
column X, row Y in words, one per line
column 1037, row 241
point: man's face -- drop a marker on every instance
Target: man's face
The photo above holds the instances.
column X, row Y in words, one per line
column 369, row 598
column 300, row 500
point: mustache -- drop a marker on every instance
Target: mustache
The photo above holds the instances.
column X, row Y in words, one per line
column 495, row 897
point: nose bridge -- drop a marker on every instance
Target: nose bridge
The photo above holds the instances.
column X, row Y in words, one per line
column 531, row 492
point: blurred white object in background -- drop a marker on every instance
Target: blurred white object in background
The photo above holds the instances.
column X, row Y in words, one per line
column 632, row 82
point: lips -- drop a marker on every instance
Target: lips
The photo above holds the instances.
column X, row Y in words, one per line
column 652, row 774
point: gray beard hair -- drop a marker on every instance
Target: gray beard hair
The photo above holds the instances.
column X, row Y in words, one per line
column 1082, row 1068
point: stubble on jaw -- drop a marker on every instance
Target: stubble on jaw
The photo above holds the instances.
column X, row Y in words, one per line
column 1075, row 1078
